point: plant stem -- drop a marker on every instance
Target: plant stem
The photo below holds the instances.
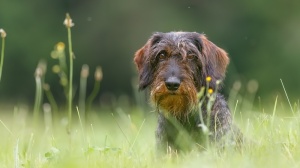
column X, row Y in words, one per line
column 93, row 95
column 38, row 96
column 70, row 77
column 52, row 102
column 82, row 91
column 2, row 56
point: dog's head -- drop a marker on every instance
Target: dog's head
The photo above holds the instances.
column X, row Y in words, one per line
column 175, row 66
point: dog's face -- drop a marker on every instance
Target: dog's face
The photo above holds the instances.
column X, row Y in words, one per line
column 175, row 66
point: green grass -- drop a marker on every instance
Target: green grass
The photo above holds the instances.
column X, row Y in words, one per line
column 125, row 138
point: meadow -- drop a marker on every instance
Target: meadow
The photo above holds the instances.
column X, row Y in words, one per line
column 123, row 135
column 125, row 138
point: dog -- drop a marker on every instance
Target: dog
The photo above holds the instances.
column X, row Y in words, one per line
column 175, row 66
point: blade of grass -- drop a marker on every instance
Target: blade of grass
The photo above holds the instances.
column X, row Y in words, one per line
column 120, row 128
column 6, row 128
column 81, row 125
column 16, row 155
column 274, row 110
column 287, row 97
column 138, row 133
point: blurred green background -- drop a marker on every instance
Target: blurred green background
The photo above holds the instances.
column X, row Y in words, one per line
column 261, row 37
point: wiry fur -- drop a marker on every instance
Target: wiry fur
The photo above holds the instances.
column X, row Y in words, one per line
column 189, row 58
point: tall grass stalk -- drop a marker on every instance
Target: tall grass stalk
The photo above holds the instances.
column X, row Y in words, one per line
column 61, row 68
column 3, row 35
column 39, row 73
column 92, row 96
column 6, row 127
column 81, row 125
column 68, row 23
column 274, row 111
column 16, row 155
column 127, row 140
column 207, row 96
column 51, row 100
column 82, row 90
column 47, row 117
column 287, row 97
column 138, row 133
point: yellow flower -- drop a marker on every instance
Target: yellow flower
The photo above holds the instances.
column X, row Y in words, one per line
column 208, row 79
column 60, row 46
column 210, row 91
column 56, row 69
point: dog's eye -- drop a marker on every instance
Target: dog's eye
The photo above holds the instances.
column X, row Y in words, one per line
column 191, row 56
column 162, row 55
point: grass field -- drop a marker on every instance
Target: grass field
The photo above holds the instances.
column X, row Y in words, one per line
column 125, row 138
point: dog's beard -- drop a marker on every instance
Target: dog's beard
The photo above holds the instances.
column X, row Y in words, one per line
column 177, row 103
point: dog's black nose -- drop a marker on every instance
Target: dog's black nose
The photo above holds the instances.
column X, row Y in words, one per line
column 172, row 83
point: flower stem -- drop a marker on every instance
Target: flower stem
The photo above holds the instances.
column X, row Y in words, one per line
column 2, row 56
column 92, row 96
column 70, row 96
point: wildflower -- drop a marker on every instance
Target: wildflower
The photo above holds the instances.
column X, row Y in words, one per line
column 60, row 46
column 98, row 74
column 208, row 79
column 85, row 71
column 38, row 72
column 68, row 21
column 3, row 33
column 56, row 69
column 41, row 69
column 210, row 91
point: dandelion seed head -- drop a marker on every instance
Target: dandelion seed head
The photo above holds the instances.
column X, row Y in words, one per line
column 98, row 74
column 85, row 71
column 3, row 33
column 68, row 21
column 38, row 72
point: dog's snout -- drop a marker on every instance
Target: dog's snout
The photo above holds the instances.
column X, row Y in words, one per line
column 172, row 83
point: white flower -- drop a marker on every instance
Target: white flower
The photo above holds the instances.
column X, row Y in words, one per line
column 3, row 33
column 68, row 21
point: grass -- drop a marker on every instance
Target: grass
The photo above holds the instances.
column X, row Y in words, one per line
column 126, row 139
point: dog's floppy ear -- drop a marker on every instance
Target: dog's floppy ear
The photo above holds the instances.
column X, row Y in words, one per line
column 216, row 59
column 142, row 67
column 143, row 63
column 139, row 57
